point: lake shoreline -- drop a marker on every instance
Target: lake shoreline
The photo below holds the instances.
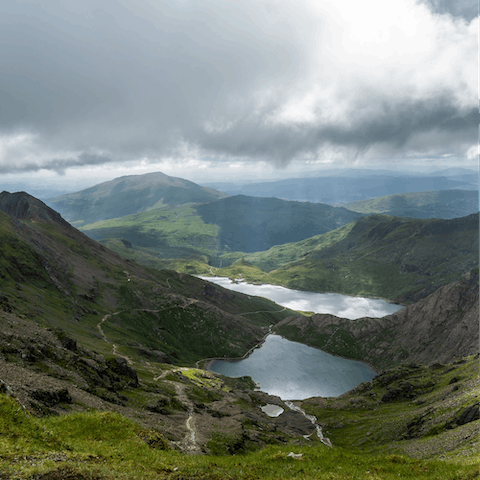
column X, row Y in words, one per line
column 351, row 307
column 334, row 374
column 259, row 283
column 209, row 361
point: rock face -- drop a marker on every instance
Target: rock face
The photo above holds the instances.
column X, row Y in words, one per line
column 440, row 328
column 23, row 206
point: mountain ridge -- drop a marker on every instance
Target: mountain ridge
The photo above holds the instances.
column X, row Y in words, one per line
column 441, row 328
column 399, row 259
column 130, row 194
column 446, row 204
column 92, row 344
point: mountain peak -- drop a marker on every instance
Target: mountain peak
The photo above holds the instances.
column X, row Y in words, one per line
column 23, row 206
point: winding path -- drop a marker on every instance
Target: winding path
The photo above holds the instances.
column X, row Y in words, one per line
column 189, row 443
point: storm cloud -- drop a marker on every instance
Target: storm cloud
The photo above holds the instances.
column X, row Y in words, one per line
column 86, row 83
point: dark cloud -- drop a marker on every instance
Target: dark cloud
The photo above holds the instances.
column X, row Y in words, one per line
column 58, row 165
column 466, row 9
column 129, row 80
column 396, row 126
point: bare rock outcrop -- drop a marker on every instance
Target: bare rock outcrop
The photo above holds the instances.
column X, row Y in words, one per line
column 440, row 328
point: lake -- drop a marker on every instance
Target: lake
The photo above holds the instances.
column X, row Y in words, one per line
column 339, row 305
column 292, row 370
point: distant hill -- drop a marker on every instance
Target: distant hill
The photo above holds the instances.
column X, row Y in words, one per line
column 434, row 204
column 350, row 186
column 130, row 194
column 250, row 224
column 236, row 223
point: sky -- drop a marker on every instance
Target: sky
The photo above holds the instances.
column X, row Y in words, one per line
column 216, row 89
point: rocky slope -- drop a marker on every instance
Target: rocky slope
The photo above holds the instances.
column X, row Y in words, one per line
column 53, row 273
column 442, row 327
column 48, row 372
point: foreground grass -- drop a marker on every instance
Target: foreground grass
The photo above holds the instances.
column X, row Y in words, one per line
column 105, row 445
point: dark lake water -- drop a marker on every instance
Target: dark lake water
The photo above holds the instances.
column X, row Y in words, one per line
column 294, row 371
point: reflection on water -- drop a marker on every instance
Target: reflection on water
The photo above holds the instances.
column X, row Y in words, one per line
column 294, row 371
column 334, row 303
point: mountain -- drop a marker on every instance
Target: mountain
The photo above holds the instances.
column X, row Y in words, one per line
column 440, row 328
column 130, row 194
column 23, row 206
column 400, row 259
column 52, row 272
column 350, row 186
column 82, row 328
column 235, row 223
column 436, row 204
column 97, row 378
column 251, row 224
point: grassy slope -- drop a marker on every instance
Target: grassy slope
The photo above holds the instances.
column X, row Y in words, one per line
column 253, row 224
column 65, row 280
column 407, row 410
column 202, row 232
column 381, row 256
column 162, row 231
column 435, row 204
column 372, row 438
column 39, row 286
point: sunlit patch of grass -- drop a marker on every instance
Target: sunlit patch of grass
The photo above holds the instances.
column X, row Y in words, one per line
column 203, row 378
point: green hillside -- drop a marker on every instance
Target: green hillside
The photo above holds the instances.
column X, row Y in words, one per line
column 445, row 204
column 98, row 380
column 430, row 433
column 252, row 224
column 128, row 195
column 56, row 275
column 202, row 232
column 399, row 259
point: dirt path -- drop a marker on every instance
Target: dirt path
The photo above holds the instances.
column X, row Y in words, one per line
column 190, row 301
column 189, row 442
column 262, row 311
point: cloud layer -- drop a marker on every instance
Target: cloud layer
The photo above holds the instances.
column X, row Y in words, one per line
column 86, row 83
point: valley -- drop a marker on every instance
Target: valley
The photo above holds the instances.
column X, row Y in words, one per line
column 101, row 342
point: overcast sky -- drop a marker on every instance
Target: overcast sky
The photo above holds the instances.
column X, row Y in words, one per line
column 196, row 87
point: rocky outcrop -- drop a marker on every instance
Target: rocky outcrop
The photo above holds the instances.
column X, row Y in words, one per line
column 440, row 328
column 23, row 206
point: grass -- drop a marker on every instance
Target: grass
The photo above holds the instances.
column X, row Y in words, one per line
column 105, row 445
column 414, row 422
column 439, row 204
column 380, row 256
column 159, row 230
